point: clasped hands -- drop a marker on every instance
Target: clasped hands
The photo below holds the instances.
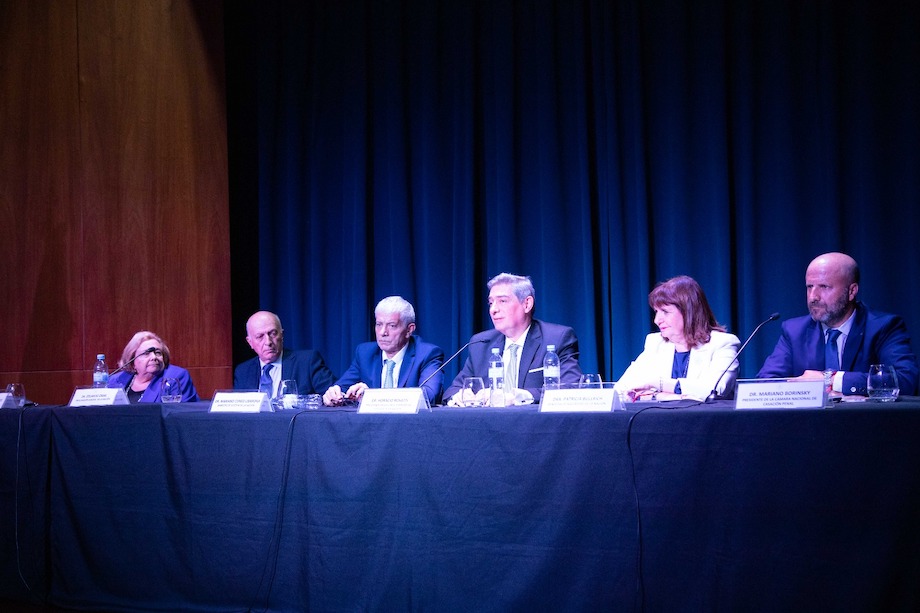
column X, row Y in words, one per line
column 335, row 397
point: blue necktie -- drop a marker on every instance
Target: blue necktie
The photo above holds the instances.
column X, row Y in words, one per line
column 265, row 381
column 831, row 355
column 388, row 381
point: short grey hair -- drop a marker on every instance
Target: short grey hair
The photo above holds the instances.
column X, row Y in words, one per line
column 521, row 287
column 399, row 305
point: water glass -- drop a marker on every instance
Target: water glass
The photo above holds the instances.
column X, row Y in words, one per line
column 590, row 380
column 170, row 390
column 471, row 394
column 882, row 383
column 287, row 395
column 18, row 393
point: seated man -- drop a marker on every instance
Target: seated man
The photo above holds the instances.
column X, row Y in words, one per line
column 511, row 307
column 841, row 334
column 273, row 364
column 397, row 359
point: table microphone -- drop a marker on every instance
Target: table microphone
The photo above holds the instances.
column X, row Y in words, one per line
column 714, row 393
column 131, row 361
column 451, row 358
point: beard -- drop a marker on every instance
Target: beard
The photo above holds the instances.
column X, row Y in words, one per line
column 830, row 313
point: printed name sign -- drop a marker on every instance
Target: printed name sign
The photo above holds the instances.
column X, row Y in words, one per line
column 240, row 402
column 581, row 400
column 402, row 400
column 7, row 401
column 779, row 394
column 98, row 396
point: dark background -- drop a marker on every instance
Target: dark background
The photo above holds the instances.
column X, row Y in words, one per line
column 421, row 147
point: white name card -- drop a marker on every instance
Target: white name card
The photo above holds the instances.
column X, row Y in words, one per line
column 7, row 401
column 779, row 394
column 98, row 396
column 404, row 400
column 579, row 400
column 240, row 402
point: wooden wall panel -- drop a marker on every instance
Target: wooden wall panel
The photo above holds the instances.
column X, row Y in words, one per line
column 131, row 231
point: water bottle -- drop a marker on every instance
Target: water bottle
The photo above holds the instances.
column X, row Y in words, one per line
column 496, row 379
column 100, row 372
column 551, row 371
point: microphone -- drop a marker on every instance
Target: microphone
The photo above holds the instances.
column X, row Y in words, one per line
column 715, row 393
column 451, row 358
column 131, row 361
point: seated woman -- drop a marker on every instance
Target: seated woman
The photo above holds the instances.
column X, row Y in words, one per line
column 689, row 354
column 144, row 364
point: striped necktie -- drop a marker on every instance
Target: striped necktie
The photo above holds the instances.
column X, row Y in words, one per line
column 511, row 368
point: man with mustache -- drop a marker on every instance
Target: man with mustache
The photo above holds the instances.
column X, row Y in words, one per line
column 841, row 334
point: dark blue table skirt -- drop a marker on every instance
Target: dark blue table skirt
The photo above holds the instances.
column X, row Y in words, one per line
column 152, row 507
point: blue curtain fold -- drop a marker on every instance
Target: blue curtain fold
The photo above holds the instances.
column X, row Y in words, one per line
column 419, row 147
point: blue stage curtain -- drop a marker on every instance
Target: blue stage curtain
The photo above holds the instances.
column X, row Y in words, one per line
column 419, row 147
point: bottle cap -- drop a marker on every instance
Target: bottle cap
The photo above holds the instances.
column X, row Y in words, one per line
column 100, row 356
column 551, row 348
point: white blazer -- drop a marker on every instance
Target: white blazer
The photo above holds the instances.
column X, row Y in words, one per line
column 706, row 364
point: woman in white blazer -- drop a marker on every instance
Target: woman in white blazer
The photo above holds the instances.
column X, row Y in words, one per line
column 689, row 354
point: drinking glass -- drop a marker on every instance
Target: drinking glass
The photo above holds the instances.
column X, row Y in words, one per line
column 590, row 380
column 882, row 383
column 471, row 393
column 18, row 393
column 287, row 395
column 170, row 391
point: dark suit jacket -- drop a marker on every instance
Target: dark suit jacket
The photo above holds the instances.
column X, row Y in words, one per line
column 541, row 334
column 421, row 360
column 306, row 366
column 875, row 338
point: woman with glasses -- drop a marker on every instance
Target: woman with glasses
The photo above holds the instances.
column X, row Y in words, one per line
column 143, row 364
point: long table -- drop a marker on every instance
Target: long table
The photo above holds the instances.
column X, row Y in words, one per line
column 170, row 507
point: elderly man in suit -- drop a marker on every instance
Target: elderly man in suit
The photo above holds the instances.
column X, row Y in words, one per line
column 274, row 364
column 840, row 333
column 521, row 340
column 397, row 359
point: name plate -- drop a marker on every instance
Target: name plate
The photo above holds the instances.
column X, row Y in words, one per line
column 403, row 400
column 581, row 400
column 240, row 402
column 779, row 394
column 7, row 401
column 98, row 396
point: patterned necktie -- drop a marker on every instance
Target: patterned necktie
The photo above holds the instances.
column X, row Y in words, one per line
column 831, row 355
column 388, row 379
column 511, row 368
column 265, row 381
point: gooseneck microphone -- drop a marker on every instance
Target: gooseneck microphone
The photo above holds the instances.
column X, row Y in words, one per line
column 131, row 361
column 451, row 359
column 715, row 393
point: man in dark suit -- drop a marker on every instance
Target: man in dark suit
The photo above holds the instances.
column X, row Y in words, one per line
column 841, row 334
column 397, row 359
column 511, row 307
column 273, row 364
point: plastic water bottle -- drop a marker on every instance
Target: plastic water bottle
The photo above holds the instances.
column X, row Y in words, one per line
column 496, row 379
column 100, row 372
column 551, row 371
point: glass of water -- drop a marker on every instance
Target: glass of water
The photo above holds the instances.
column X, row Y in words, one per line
column 169, row 390
column 591, row 380
column 471, row 394
column 882, row 383
column 287, row 395
column 18, row 393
